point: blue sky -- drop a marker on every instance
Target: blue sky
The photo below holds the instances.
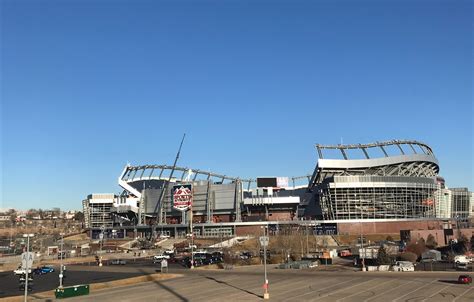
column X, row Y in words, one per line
column 88, row 86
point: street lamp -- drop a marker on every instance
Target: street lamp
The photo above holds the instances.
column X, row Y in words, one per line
column 192, row 237
column 361, row 234
column 27, row 236
column 264, row 241
column 61, row 264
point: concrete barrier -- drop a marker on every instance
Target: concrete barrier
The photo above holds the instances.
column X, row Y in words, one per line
column 372, row 268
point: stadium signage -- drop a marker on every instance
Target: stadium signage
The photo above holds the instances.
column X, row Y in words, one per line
column 182, row 197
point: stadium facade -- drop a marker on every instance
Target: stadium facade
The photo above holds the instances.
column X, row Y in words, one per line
column 396, row 188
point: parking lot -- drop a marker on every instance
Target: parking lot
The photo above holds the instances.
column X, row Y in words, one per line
column 325, row 283
column 81, row 274
column 331, row 284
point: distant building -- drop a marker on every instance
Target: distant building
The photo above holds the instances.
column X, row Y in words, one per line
column 97, row 210
column 69, row 214
column 460, row 203
column 471, row 205
column 5, row 218
column 443, row 203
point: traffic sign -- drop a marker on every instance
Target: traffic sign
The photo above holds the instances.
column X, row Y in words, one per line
column 264, row 240
column 27, row 259
column 164, row 263
column 101, row 236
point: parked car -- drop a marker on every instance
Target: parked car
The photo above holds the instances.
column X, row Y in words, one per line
column 158, row 258
column 21, row 271
column 169, row 252
column 461, row 259
column 345, row 253
column 465, row 279
column 403, row 266
column 119, row 262
column 245, row 255
column 41, row 270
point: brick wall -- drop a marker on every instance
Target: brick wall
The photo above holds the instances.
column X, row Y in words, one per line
column 386, row 227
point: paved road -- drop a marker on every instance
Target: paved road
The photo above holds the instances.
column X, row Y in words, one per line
column 295, row 285
column 80, row 274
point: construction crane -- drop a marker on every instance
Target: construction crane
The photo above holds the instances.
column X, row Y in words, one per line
column 158, row 211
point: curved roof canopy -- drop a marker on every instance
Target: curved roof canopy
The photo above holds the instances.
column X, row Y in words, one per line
column 413, row 159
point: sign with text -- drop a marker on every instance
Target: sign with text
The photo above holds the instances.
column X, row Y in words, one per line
column 27, row 259
column 264, row 240
column 182, row 197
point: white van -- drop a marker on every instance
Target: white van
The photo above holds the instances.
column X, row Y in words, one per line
column 403, row 266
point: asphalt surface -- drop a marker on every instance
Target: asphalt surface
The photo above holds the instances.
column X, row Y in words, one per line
column 331, row 283
column 295, row 285
column 81, row 274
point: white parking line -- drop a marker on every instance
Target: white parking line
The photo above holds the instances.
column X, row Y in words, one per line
column 295, row 288
column 313, row 292
column 341, row 289
column 414, row 290
column 435, row 293
column 463, row 294
column 362, row 291
column 387, row 291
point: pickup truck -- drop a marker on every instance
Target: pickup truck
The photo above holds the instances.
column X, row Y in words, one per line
column 158, row 258
column 21, row 271
column 403, row 266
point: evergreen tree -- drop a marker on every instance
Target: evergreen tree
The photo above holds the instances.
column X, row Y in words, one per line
column 383, row 258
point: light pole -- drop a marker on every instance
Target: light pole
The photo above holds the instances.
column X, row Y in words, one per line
column 27, row 262
column 192, row 237
column 362, row 238
column 264, row 241
column 101, row 242
column 61, row 263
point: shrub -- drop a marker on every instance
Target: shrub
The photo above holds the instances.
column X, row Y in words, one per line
column 431, row 242
column 408, row 256
column 417, row 248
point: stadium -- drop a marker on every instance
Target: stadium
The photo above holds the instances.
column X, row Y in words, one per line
column 384, row 187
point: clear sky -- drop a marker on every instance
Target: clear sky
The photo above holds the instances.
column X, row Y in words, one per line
column 87, row 86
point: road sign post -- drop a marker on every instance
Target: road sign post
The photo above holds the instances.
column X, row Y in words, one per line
column 28, row 261
column 164, row 265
